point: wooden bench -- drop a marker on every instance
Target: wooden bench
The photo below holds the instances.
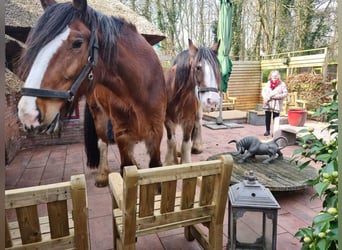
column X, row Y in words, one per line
column 60, row 229
column 228, row 102
column 139, row 209
column 292, row 102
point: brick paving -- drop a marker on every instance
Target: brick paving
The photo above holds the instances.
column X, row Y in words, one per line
column 57, row 163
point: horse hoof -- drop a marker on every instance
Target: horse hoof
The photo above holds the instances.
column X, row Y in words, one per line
column 101, row 184
column 101, row 180
column 196, row 151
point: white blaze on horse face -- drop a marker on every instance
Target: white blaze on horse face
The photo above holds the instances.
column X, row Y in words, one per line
column 209, row 99
column 27, row 109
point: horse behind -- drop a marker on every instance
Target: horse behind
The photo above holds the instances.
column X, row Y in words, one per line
column 192, row 85
column 76, row 51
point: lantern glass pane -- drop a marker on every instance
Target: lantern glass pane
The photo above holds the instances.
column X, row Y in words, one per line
column 255, row 229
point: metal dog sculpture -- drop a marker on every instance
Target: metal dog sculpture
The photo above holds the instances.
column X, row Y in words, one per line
column 254, row 146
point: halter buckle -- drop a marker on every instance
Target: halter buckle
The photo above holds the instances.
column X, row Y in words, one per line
column 91, row 76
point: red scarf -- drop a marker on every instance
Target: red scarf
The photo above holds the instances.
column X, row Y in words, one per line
column 274, row 84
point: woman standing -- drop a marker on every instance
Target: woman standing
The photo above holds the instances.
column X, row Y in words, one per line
column 273, row 93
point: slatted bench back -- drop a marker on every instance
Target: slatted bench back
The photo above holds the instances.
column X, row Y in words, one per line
column 191, row 194
column 64, row 227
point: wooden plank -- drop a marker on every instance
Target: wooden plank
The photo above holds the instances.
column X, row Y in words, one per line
column 80, row 211
column 168, row 196
column 188, row 193
column 202, row 213
column 146, row 194
column 8, row 240
column 29, row 224
column 58, row 219
column 174, row 172
column 207, row 190
column 37, row 195
column 66, row 242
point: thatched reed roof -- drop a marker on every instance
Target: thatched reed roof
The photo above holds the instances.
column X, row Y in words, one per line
column 25, row 13
column 12, row 83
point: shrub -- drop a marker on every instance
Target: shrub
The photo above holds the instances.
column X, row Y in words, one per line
column 323, row 233
column 311, row 88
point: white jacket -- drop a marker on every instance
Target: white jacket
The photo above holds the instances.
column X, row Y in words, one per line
column 273, row 99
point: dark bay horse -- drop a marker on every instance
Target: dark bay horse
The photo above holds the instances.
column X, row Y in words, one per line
column 75, row 50
column 192, row 85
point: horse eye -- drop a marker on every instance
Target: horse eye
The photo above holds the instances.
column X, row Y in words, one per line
column 77, row 44
column 198, row 68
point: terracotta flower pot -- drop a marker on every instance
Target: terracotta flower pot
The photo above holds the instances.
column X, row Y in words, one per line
column 297, row 117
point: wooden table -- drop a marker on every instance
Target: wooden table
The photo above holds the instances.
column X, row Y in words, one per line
column 279, row 175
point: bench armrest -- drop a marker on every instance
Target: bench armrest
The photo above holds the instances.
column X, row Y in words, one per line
column 116, row 188
column 302, row 102
column 233, row 99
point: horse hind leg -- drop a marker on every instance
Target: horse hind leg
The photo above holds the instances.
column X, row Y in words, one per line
column 186, row 143
column 171, row 156
column 196, row 136
column 101, row 179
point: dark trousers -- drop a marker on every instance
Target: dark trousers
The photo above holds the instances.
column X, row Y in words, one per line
column 268, row 115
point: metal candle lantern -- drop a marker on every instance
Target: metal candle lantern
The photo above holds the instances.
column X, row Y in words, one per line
column 253, row 216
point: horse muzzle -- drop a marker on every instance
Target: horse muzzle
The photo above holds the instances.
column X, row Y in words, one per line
column 54, row 128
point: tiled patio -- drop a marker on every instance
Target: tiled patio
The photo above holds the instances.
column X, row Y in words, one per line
column 57, row 163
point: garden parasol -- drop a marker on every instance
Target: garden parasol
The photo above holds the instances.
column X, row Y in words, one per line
column 224, row 35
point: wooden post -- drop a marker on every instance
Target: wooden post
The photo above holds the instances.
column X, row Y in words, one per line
column 79, row 211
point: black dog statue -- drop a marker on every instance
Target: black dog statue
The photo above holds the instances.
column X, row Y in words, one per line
column 254, row 146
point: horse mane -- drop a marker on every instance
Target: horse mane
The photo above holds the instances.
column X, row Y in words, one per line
column 53, row 22
column 182, row 61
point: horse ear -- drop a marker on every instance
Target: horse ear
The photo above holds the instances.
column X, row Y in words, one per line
column 216, row 46
column 47, row 3
column 81, row 6
column 192, row 48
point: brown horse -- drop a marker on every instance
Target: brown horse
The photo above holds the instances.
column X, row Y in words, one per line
column 75, row 50
column 192, row 85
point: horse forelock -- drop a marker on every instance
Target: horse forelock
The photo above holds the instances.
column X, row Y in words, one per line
column 207, row 54
column 54, row 21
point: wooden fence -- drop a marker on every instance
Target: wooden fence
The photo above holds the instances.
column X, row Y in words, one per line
column 244, row 84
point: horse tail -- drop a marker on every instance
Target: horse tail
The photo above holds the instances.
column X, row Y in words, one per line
column 237, row 146
column 281, row 138
column 90, row 139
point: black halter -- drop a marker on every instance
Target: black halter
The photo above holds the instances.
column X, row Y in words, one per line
column 87, row 70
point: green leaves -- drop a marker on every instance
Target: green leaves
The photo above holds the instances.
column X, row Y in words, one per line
column 323, row 233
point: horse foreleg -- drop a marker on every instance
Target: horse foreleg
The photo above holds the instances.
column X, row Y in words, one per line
column 196, row 136
column 153, row 148
column 186, row 143
column 126, row 153
column 171, row 150
column 101, row 179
